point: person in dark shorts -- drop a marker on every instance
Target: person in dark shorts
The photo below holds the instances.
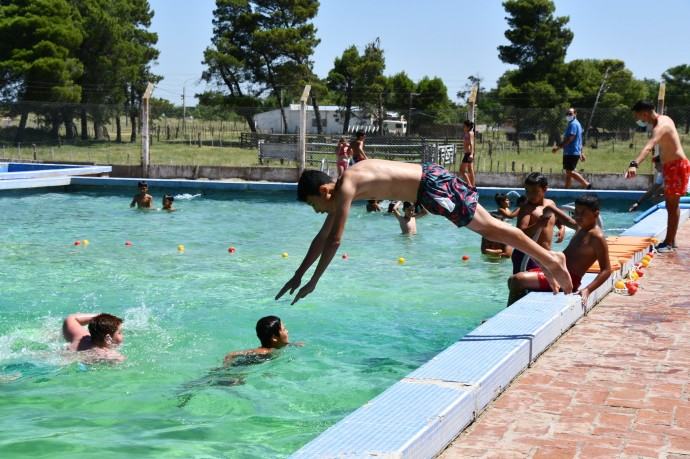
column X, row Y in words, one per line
column 572, row 150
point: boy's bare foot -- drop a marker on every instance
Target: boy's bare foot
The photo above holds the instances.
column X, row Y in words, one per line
column 557, row 274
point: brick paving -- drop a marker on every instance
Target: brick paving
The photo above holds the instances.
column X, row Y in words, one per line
column 617, row 385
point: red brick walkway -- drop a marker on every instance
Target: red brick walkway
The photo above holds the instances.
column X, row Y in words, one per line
column 617, row 385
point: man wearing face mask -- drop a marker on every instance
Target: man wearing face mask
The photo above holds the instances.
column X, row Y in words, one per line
column 674, row 164
column 572, row 150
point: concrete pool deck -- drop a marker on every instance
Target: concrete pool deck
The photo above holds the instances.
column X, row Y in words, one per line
column 616, row 386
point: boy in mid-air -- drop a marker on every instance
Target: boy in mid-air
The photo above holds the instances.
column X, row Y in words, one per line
column 437, row 189
column 142, row 200
column 587, row 245
column 102, row 338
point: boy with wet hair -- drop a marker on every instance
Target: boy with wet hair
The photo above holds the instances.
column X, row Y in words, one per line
column 271, row 333
column 103, row 337
column 534, row 221
column 435, row 188
column 587, row 245
column 408, row 221
column 168, row 200
column 142, row 200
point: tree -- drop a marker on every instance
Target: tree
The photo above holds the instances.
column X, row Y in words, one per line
column 262, row 45
column 359, row 80
column 678, row 94
column 539, row 40
column 116, row 52
column 38, row 40
column 431, row 104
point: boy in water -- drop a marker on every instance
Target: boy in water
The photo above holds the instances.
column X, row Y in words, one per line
column 675, row 166
column 587, row 246
column 532, row 219
column 102, row 338
column 273, row 335
column 437, row 189
column 168, row 202
column 142, row 200
column 408, row 222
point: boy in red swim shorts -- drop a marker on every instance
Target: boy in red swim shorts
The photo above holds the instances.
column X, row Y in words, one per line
column 675, row 165
column 587, row 245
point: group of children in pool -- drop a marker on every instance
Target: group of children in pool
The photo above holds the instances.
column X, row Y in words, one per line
column 440, row 192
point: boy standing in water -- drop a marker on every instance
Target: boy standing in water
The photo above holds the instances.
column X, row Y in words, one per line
column 142, row 200
column 102, row 338
column 437, row 189
column 408, row 222
column 587, row 246
column 532, row 218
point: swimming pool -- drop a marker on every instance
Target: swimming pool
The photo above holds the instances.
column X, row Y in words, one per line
column 369, row 323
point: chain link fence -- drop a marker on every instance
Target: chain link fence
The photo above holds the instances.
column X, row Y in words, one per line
column 507, row 139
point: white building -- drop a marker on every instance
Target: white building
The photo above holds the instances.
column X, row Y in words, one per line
column 331, row 119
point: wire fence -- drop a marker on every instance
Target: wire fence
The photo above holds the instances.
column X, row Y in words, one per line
column 506, row 139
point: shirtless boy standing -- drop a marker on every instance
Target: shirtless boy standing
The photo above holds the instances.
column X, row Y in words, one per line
column 142, row 200
column 435, row 188
column 357, row 148
column 674, row 164
column 532, row 218
column 408, row 221
column 587, row 246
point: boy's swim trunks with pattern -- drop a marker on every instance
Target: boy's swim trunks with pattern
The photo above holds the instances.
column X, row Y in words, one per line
column 676, row 175
column 544, row 284
column 442, row 193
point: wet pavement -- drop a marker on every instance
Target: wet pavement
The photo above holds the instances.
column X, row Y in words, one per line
column 616, row 385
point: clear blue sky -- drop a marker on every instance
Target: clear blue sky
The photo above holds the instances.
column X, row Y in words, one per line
column 450, row 39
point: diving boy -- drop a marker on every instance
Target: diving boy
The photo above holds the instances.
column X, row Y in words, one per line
column 102, row 338
column 587, row 245
column 437, row 189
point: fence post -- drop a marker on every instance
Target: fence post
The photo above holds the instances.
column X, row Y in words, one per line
column 34, row 145
column 145, row 130
column 302, row 144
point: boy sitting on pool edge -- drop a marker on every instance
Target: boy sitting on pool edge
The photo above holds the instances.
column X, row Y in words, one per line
column 438, row 190
column 587, row 245
column 103, row 336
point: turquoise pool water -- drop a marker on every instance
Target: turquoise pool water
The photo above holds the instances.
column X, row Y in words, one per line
column 368, row 324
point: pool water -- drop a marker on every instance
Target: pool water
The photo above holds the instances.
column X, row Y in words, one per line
column 370, row 321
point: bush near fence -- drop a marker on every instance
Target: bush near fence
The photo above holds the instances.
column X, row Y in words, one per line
column 507, row 139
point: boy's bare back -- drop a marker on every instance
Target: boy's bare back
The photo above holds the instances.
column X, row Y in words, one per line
column 584, row 249
column 380, row 179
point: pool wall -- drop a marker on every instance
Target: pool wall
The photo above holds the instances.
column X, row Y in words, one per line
column 34, row 175
column 420, row 415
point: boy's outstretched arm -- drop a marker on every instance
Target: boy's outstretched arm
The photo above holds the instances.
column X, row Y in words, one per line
column 314, row 252
column 73, row 326
column 552, row 263
column 330, row 245
column 566, row 219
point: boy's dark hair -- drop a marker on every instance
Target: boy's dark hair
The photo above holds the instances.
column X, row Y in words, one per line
column 169, row 197
column 589, row 200
column 142, row 183
column 407, row 204
column 359, row 134
column 469, row 124
column 309, row 184
column 642, row 105
column 102, row 325
column 266, row 329
column 500, row 198
column 537, row 178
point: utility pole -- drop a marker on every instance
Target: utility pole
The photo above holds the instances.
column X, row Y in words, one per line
column 409, row 114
